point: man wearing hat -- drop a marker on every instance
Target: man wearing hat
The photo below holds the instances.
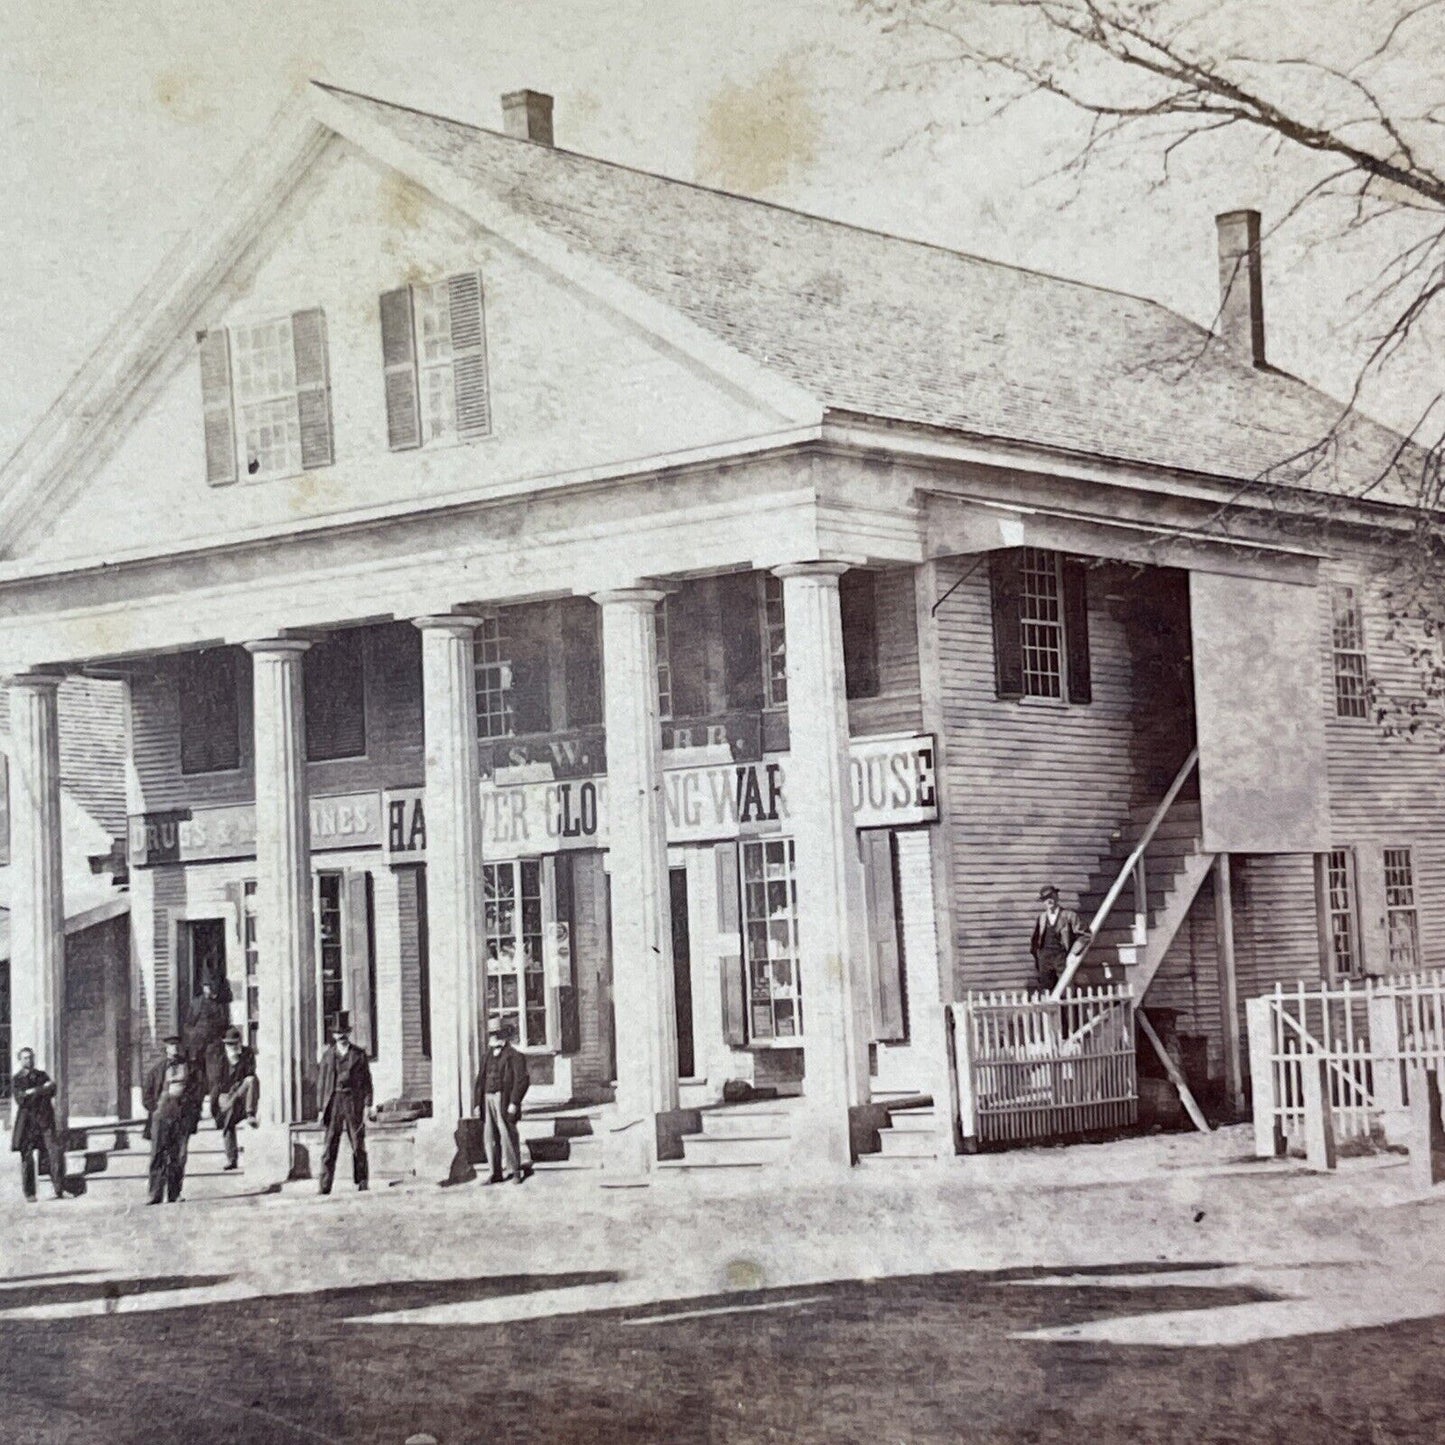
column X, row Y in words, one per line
column 501, row 1086
column 172, row 1095
column 202, row 1032
column 234, row 1093
column 345, row 1099
column 32, row 1091
column 1056, row 931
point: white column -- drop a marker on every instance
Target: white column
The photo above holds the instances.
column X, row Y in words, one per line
column 287, row 1052
column 37, row 902
column 454, row 884
column 831, row 918
column 642, row 982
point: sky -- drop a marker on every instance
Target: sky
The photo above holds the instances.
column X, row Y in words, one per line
column 120, row 124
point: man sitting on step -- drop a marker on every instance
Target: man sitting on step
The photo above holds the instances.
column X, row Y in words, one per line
column 501, row 1086
column 235, row 1091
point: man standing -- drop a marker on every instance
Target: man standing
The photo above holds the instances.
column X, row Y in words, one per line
column 172, row 1095
column 201, row 1037
column 235, row 1089
column 345, row 1099
column 33, row 1092
column 501, row 1086
column 1056, row 931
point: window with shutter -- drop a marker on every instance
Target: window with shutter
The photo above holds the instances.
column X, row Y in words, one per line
column 266, row 398
column 434, row 351
column 1040, row 625
column 210, row 709
column 335, row 697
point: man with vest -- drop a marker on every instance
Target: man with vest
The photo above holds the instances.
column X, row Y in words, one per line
column 1056, row 931
column 345, row 1095
column 501, row 1086
column 32, row 1092
column 172, row 1095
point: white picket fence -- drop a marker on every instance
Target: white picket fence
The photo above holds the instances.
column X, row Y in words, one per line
column 1032, row 1067
column 1368, row 1035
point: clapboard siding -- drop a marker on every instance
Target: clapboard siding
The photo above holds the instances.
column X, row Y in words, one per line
column 1034, row 790
column 394, row 751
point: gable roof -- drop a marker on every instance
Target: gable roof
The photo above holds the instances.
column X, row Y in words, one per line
column 904, row 330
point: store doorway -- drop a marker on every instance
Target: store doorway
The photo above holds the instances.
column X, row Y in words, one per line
column 681, row 972
column 202, row 949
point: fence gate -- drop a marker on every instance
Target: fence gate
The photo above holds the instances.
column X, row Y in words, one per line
column 1368, row 1035
column 1032, row 1067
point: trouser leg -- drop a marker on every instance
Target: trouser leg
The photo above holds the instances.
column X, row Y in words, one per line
column 356, row 1137
column 249, row 1093
column 27, row 1172
column 160, row 1135
column 513, row 1143
column 228, row 1118
column 176, row 1173
column 491, row 1135
column 330, row 1148
column 502, row 1143
column 55, row 1152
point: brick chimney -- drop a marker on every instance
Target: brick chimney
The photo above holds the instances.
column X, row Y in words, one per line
column 1241, row 290
column 527, row 114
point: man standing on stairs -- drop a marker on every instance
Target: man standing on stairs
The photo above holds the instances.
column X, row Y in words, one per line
column 1056, row 931
column 501, row 1086
column 201, row 1036
column 172, row 1095
column 235, row 1089
column 345, row 1100
column 32, row 1091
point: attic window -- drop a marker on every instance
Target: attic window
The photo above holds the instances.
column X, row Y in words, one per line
column 434, row 350
column 265, row 388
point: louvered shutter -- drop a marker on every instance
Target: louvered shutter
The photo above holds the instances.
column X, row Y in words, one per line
column 313, row 388
column 398, row 357
column 1076, row 629
column 889, row 1015
column 469, row 355
column 4, row 810
column 1008, row 656
column 216, row 408
column 729, row 942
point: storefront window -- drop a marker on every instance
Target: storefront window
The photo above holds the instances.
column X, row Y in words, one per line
column 252, row 952
column 770, row 928
column 328, row 911
column 516, row 977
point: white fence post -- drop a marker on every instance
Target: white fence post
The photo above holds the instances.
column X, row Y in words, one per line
column 1258, row 1014
column 1383, row 1013
column 1319, row 1117
column 963, row 1070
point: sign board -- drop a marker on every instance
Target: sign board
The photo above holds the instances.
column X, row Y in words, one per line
column 542, row 759
column 893, row 784
column 198, row 835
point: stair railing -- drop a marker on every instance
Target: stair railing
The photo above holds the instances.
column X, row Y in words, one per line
column 1133, row 869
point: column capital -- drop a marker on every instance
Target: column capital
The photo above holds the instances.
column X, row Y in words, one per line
column 820, row 570
column 39, row 680
column 447, row 622
column 640, row 597
column 261, row 645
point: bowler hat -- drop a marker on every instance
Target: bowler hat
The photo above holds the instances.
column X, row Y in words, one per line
column 231, row 1036
column 171, row 1039
column 1048, row 891
column 502, row 1027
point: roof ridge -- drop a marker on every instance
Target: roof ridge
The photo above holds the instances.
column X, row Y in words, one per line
column 770, row 205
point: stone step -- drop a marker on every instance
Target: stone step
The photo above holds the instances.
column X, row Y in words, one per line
column 726, row 1149
column 912, row 1121
column 722, row 1165
column 743, row 1124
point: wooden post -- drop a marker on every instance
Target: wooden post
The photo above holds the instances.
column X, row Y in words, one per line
column 1319, row 1118
column 1228, row 985
column 963, row 1062
column 1382, row 1014
column 1175, row 1077
column 1268, row 1135
column 1427, row 1135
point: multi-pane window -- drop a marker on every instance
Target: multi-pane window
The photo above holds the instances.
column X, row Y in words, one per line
column 493, row 669
column 210, row 711
column 434, row 351
column 775, row 641
column 770, row 936
column 1041, row 623
column 1339, row 912
column 251, row 948
column 329, row 936
column 664, row 663
column 263, row 360
column 1401, row 915
column 1348, row 645
column 516, row 970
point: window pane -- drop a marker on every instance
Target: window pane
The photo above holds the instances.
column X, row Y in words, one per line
column 1041, row 628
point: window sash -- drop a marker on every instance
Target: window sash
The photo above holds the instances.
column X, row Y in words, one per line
column 268, row 420
column 251, row 951
column 664, row 663
column 1340, row 912
column 1347, row 637
column 1041, row 624
column 769, row 895
column 514, row 934
column 330, row 948
column 492, row 669
column 1402, row 917
column 773, row 624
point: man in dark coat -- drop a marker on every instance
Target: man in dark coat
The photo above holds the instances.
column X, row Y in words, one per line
column 501, row 1086
column 33, row 1091
column 345, row 1099
column 172, row 1095
column 1056, row 931
column 234, row 1092
column 204, row 1028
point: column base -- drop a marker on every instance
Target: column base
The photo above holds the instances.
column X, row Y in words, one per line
column 441, row 1154
column 629, row 1151
column 822, row 1141
column 270, row 1156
